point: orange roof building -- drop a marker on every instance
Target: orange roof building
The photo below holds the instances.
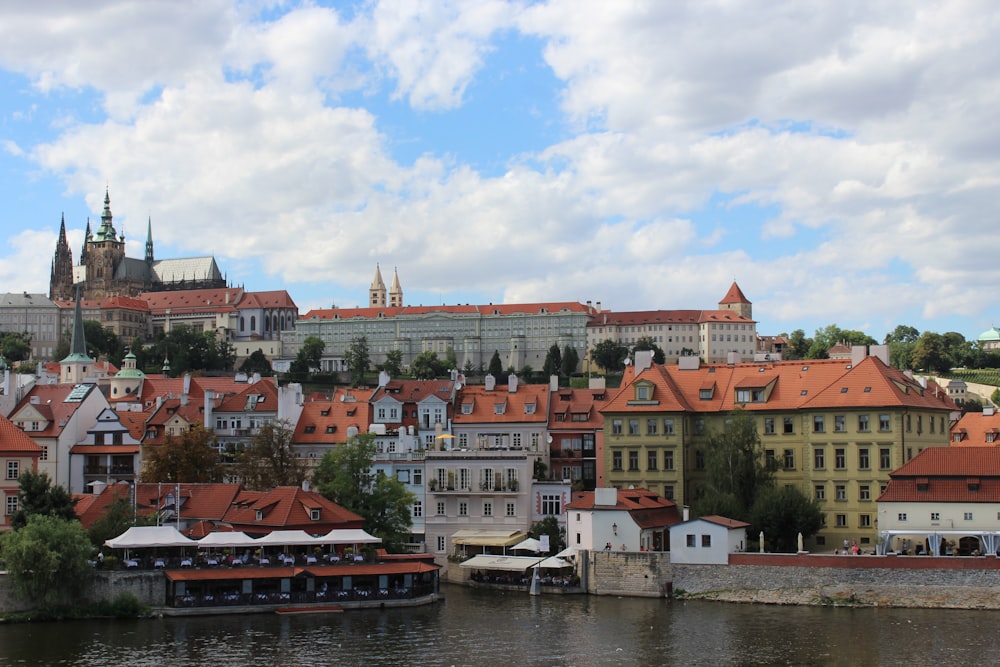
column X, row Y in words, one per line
column 832, row 428
column 18, row 454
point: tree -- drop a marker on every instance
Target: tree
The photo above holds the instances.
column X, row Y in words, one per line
column 798, row 345
column 550, row 526
column 345, row 476
column 609, row 355
column 309, row 355
column 270, row 460
column 735, row 463
column 257, row 362
column 902, row 334
column 37, row 495
column 393, row 363
column 553, row 362
column 496, row 366
column 570, row 360
column 647, row 343
column 427, row 366
column 357, row 359
column 16, row 346
column 102, row 342
column 783, row 513
column 929, row 353
column 191, row 457
column 47, row 559
column 450, row 360
column 117, row 518
column 192, row 350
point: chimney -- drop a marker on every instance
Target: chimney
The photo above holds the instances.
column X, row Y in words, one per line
column 606, row 497
column 383, row 378
column 598, row 307
column 858, row 353
column 881, row 352
column 512, row 383
column 490, row 382
column 553, row 383
column 97, row 488
column 305, row 485
column 187, row 389
column 643, row 360
column 209, row 406
column 686, row 512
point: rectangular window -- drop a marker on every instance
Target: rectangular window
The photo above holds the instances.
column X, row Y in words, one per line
column 651, row 461
column 418, row 476
column 706, row 541
column 633, row 459
column 901, row 517
column 551, row 504
column 650, row 427
column 841, row 521
column 863, row 425
column 463, row 508
column 633, row 427
column 841, row 492
column 13, row 469
column 788, row 426
column 463, row 479
column 668, row 491
column 516, row 440
column 440, row 508
column 840, row 459
column 11, row 505
column 418, row 508
column 44, row 456
column 768, row 425
column 440, row 543
column 820, row 492
column 699, row 426
column 818, row 424
column 668, row 427
column 935, row 516
column 865, row 520
column 769, row 459
column 616, row 460
column 819, row 459
column 884, row 423
column 884, row 458
column 968, row 516
column 864, row 492
column 668, row 460
column 789, row 459
column 864, row 461
column 616, row 427
column 690, row 540
column 510, row 510
column 487, row 508
column 839, row 423
column 699, row 459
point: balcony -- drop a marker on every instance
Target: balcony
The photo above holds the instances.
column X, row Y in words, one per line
column 399, row 456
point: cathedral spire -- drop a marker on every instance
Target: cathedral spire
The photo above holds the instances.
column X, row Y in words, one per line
column 106, row 232
column 396, row 290
column 149, row 242
column 61, row 279
column 376, row 293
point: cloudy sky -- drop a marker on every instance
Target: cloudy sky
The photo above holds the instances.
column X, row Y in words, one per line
column 840, row 160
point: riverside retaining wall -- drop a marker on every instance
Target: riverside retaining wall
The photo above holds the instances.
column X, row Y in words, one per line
column 150, row 587
column 896, row 581
column 635, row 574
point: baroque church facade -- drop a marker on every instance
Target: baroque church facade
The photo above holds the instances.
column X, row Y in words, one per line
column 110, row 273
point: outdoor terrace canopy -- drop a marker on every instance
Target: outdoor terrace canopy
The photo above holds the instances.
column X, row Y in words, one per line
column 226, row 539
column 487, row 538
column 288, row 538
column 138, row 537
column 348, row 536
column 505, row 563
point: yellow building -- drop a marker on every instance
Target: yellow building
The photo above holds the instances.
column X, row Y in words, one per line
column 832, row 428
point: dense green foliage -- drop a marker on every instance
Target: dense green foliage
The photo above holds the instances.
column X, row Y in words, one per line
column 427, row 366
column 496, row 366
column 647, row 343
column 783, row 513
column 190, row 457
column 189, row 350
column 345, row 476
column 308, row 357
column 553, row 362
column 735, row 463
column 610, row 355
column 37, row 496
column 570, row 360
column 358, row 360
column 393, row 364
column 47, row 559
column 257, row 362
column 550, row 526
column 15, row 346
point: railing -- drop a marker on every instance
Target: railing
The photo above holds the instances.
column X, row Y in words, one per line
column 300, row 597
column 400, row 456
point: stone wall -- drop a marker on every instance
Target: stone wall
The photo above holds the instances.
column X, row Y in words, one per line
column 635, row 574
column 914, row 581
column 149, row 587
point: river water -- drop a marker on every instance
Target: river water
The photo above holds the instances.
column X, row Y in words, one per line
column 473, row 627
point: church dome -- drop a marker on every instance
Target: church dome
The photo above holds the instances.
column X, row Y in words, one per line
column 990, row 335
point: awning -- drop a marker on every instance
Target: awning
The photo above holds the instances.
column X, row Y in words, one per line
column 487, row 538
column 138, row 537
column 530, row 544
column 554, row 563
column 227, row 539
column 348, row 536
column 288, row 538
column 506, row 563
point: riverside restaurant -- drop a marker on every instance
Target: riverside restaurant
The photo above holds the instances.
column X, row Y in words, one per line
column 289, row 570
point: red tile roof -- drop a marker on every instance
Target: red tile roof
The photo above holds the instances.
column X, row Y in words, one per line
column 327, row 422
column 646, row 508
column 288, row 508
column 947, row 474
column 724, row 521
column 484, row 404
column 490, row 309
column 15, row 441
column 50, row 402
column 585, row 404
column 735, row 295
column 975, row 428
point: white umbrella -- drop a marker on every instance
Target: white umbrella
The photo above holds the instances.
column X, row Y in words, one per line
column 554, row 563
column 529, row 544
column 571, row 551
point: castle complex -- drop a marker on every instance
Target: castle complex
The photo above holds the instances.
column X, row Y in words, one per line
column 110, row 273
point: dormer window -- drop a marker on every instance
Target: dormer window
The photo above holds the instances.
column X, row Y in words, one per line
column 331, row 428
column 498, row 408
column 314, row 514
column 642, row 393
column 311, row 428
column 259, row 515
column 529, row 408
column 466, row 408
column 705, row 394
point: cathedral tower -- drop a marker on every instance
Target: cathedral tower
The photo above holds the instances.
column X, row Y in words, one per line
column 376, row 293
column 395, row 291
column 61, row 280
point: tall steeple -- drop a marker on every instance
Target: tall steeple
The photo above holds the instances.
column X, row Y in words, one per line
column 61, row 280
column 149, row 242
column 106, row 232
column 395, row 291
column 73, row 369
column 87, row 238
column 376, row 293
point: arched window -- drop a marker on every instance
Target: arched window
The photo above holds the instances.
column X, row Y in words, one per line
column 267, row 323
column 253, row 323
column 274, row 318
column 242, row 323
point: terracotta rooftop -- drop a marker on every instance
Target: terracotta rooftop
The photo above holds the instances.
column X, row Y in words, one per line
column 404, row 311
column 15, row 441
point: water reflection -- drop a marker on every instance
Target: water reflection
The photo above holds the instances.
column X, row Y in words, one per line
column 483, row 628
